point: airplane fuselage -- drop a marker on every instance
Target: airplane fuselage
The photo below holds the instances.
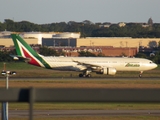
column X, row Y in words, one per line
column 119, row 63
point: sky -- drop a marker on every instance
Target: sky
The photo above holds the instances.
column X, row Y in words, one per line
column 52, row 11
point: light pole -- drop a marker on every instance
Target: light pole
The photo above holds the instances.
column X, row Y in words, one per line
column 5, row 104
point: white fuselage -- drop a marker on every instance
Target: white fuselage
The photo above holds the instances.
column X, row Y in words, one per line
column 119, row 63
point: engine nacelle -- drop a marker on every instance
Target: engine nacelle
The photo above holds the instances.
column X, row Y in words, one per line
column 107, row 71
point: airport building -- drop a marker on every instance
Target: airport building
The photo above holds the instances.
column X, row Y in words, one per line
column 72, row 43
column 100, row 41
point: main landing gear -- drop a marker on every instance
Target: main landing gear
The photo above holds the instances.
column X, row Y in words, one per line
column 85, row 74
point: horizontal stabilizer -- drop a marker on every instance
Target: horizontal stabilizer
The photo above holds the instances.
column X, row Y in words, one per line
column 17, row 57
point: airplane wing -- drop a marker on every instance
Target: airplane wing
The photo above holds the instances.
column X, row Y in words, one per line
column 88, row 65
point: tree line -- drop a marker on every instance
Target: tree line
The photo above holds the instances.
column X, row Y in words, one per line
column 86, row 28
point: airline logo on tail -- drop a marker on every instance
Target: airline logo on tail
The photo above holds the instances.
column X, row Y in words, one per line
column 24, row 50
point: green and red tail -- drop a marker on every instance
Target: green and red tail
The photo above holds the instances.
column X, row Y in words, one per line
column 25, row 51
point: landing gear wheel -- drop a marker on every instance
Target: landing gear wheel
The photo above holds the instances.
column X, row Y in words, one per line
column 140, row 75
column 89, row 75
column 80, row 75
column 83, row 75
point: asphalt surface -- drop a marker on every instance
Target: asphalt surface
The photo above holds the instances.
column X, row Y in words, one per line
column 107, row 78
column 81, row 113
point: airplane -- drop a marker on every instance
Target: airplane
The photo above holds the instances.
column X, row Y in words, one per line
column 85, row 65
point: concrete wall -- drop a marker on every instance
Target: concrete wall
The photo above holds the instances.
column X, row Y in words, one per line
column 120, row 51
column 7, row 42
column 116, row 42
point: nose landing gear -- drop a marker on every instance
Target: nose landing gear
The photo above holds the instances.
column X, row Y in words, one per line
column 140, row 74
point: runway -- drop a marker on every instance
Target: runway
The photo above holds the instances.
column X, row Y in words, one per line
column 82, row 113
column 73, row 78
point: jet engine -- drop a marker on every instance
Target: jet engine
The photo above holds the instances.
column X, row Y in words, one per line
column 107, row 71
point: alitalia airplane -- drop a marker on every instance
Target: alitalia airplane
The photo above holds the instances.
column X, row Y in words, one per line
column 86, row 65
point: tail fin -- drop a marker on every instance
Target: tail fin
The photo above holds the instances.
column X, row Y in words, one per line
column 24, row 50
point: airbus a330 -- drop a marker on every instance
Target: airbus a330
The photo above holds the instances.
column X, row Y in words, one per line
column 85, row 65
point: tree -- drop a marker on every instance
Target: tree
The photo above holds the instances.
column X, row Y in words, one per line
column 9, row 24
column 86, row 28
column 141, row 55
column 47, row 51
column 86, row 54
column 153, row 44
column 5, row 56
column 2, row 27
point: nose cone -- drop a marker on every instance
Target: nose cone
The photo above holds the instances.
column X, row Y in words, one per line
column 154, row 65
column 151, row 66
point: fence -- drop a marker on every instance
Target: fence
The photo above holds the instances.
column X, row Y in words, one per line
column 32, row 95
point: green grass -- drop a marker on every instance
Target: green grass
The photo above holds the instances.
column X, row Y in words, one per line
column 17, row 66
column 86, row 106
